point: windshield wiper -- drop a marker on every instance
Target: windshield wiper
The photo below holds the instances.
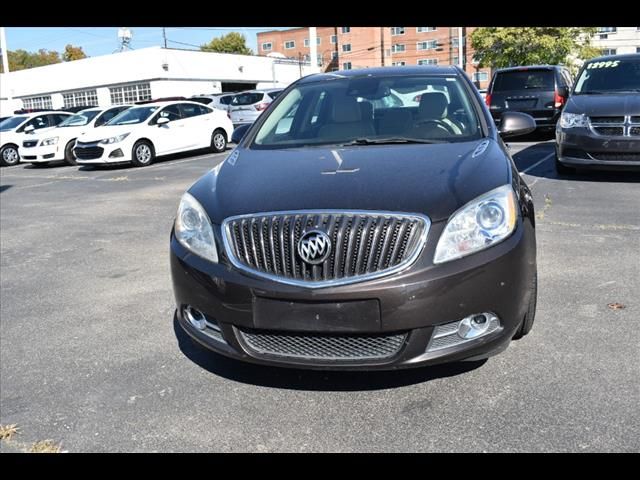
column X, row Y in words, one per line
column 388, row 141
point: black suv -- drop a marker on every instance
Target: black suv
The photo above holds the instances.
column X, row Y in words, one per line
column 540, row 91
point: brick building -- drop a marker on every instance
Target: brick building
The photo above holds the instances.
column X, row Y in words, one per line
column 343, row 48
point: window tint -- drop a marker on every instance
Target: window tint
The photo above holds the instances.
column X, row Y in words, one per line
column 189, row 110
column 56, row 118
column 172, row 112
column 524, row 80
column 36, row 122
column 203, row 100
column 248, row 98
column 336, row 112
column 274, row 95
column 108, row 115
column 226, row 100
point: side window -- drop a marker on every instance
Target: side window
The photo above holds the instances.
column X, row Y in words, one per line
column 226, row 100
column 204, row 110
column 189, row 110
column 172, row 112
column 108, row 115
column 38, row 122
column 57, row 118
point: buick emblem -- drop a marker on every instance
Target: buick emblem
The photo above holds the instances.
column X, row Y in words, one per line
column 314, row 247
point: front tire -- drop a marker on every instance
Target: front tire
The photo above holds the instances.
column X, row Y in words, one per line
column 218, row 141
column 142, row 154
column 69, row 157
column 527, row 322
column 9, row 156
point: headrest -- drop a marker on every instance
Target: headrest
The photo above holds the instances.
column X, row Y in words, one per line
column 433, row 105
column 346, row 111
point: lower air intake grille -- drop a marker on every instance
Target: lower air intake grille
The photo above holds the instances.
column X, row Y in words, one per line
column 311, row 346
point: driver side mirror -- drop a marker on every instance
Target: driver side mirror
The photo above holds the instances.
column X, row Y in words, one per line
column 162, row 121
column 239, row 133
column 513, row 124
column 29, row 129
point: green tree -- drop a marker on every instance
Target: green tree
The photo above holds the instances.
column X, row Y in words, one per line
column 232, row 42
column 73, row 53
column 21, row 59
column 500, row 47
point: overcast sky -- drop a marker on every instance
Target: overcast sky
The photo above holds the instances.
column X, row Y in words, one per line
column 104, row 40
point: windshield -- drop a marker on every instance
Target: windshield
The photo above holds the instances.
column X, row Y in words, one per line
column 371, row 110
column 524, row 80
column 80, row 119
column 610, row 76
column 132, row 115
column 11, row 123
column 248, row 98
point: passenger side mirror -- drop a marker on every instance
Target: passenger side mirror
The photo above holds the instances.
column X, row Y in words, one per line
column 513, row 124
column 239, row 133
column 162, row 121
column 29, row 129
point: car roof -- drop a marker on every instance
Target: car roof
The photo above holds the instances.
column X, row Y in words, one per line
column 621, row 56
column 531, row 67
column 385, row 71
column 164, row 103
column 103, row 109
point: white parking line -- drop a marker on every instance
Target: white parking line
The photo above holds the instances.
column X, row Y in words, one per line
column 528, row 169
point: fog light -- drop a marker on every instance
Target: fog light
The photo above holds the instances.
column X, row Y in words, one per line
column 474, row 326
column 117, row 153
column 462, row 331
column 195, row 317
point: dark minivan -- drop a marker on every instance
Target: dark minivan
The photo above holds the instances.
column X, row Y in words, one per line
column 540, row 91
column 600, row 125
column 349, row 230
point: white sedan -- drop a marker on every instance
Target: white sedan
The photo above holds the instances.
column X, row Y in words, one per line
column 15, row 130
column 57, row 144
column 144, row 132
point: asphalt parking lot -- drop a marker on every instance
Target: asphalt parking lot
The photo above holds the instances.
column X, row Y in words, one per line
column 91, row 357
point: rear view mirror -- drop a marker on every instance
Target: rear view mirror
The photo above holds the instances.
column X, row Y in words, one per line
column 239, row 133
column 513, row 124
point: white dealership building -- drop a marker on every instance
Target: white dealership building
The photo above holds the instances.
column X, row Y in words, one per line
column 143, row 74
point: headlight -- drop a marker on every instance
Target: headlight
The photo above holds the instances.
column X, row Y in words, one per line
column 571, row 120
column 49, row 141
column 193, row 229
column 481, row 223
column 117, row 139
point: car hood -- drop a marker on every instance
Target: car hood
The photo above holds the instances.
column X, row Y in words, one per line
column 105, row 131
column 434, row 180
column 604, row 105
column 18, row 138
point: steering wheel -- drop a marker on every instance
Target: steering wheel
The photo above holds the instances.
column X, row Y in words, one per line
column 438, row 123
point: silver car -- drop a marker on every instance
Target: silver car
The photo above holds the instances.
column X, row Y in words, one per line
column 247, row 106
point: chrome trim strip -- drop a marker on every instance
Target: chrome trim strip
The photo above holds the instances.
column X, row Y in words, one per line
column 626, row 126
column 228, row 246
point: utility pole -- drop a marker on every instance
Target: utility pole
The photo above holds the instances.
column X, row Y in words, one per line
column 300, row 62
column 5, row 61
column 460, row 49
column 313, row 47
column 164, row 35
column 382, row 46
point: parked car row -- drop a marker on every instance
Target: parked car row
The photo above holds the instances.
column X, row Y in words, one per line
column 119, row 134
column 596, row 118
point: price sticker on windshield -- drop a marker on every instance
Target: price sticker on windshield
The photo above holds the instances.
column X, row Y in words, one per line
column 607, row 64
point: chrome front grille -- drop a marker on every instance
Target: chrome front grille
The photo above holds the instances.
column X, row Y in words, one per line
column 364, row 244
column 616, row 126
column 310, row 346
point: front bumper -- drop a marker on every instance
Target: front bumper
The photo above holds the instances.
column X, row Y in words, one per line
column 580, row 147
column 414, row 302
column 48, row 153
column 96, row 153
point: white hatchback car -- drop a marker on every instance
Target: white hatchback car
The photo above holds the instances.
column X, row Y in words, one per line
column 143, row 132
column 14, row 130
column 57, row 144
